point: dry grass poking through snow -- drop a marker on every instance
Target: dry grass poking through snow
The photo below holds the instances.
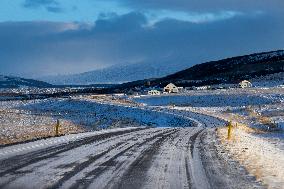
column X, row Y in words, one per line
column 18, row 127
column 261, row 158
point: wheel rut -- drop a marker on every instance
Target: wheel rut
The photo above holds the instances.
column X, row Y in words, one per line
column 51, row 152
column 118, row 167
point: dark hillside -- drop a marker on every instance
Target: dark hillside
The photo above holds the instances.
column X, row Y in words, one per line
column 230, row 70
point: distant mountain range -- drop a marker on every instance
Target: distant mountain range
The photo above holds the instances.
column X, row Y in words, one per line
column 17, row 82
column 230, row 70
column 120, row 74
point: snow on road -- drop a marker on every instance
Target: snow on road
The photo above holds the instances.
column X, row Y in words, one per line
column 143, row 158
column 19, row 149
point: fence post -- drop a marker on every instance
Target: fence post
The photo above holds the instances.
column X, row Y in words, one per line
column 57, row 128
column 229, row 130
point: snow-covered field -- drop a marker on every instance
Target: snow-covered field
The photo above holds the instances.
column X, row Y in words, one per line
column 272, row 80
column 92, row 114
column 26, row 120
column 217, row 98
column 18, row 125
column 241, row 104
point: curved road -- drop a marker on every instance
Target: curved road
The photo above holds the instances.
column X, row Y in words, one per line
column 136, row 158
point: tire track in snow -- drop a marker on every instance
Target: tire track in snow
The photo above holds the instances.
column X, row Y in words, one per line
column 14, row 173
column 171, row 164
column 114, row 164
column 133, row 177
column 33, row 157
column 150, row 158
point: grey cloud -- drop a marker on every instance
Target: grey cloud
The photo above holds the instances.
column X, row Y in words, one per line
column 206, row 5
column 49, row 5
column 54, row 9
column 126, row 23
column 51, row 48
column 39, row 3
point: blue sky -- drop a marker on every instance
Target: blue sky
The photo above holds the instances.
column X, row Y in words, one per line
column 45, row 37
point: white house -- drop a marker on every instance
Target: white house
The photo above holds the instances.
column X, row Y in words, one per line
column 245, row 84
column 171, row 88
column 154, row 92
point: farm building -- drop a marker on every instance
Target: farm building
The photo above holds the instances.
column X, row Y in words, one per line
column 154, row 92
column 245, row 84
column 201, row 88
column 171, row 88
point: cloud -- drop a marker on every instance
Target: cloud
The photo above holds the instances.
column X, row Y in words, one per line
column 49, row 5
column 43, row 48
column 156, row 16
column 116, row 23
column 54, row 9
column 206, row 5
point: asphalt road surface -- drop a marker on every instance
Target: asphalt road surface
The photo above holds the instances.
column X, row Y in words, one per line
column 129, row 159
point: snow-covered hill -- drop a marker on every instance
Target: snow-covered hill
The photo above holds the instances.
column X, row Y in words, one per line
column 271, row 80
column 17, row 82
column 230, row 70
column 119, row 74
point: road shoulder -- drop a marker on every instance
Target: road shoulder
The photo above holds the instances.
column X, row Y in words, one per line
column 221, row 169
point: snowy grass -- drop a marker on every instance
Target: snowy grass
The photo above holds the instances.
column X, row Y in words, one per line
column 16, row 126
column 258, row 108
column 258, row 154
column 100, row 115
column 26, row 120
column 217, row 98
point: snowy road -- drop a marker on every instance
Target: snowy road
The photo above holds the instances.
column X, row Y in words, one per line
column 129, row 158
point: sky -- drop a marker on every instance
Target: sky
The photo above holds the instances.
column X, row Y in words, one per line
column 50, row 37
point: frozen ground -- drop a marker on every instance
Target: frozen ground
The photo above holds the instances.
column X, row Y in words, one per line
column 18, row 125
column 217, row 98
column 240, row 104
column 26, row 120
column 92, row 114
